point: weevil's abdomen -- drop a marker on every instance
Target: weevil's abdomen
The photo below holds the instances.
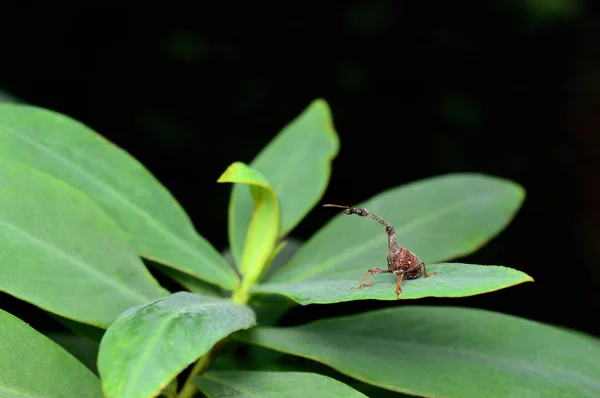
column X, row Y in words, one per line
column 414, row 274
column 406, row 260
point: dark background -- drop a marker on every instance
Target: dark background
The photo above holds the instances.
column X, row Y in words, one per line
column 416, row 88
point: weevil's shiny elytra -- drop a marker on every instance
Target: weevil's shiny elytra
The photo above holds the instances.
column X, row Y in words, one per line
column 400, row 261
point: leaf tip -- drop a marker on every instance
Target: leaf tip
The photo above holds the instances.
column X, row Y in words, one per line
column 524, row 277
column 322, row 106
column 231, row 169
column 519, row 191
column 322, row 103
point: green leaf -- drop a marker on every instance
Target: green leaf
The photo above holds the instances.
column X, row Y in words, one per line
column 248, row 384
column 450, row 280
column 447, row 352
column 63, row 253
column 298, row 183
column 72, row 152
column 34, row 366
column 148, row 345
column 263, row 229
column 438, row 218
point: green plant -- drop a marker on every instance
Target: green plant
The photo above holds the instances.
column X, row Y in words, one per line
column 77, row 213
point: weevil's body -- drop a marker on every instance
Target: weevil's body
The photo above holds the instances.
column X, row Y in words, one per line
column 400, row 261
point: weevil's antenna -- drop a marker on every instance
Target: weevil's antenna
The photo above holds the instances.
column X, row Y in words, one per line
column 341, row 207
column 347, row 209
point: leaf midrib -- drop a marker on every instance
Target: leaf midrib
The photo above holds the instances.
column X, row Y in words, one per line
column 167, row 320
column 368, row 244
column 141, row 360
column 3, row 388
column 117, row 196
column 75, row 261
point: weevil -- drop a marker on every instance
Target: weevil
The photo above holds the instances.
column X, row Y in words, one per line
column 400, row 261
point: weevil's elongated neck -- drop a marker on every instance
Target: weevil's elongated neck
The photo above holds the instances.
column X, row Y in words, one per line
column 393, row 245
column 378, row 219
column 391, row 232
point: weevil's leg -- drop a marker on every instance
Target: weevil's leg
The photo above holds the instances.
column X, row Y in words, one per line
column 425, row 274
column 398, row 290
column 369, row 271
column 362, row 282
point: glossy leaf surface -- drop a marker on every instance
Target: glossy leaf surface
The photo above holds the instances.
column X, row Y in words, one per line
column 297, row 164
column 123, row 187
column 63, row 253
column 34, row 366
column 450, row 280
column 447, row 352
column 150, row 344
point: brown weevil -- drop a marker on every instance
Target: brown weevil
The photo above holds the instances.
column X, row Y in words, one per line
column 400, row 261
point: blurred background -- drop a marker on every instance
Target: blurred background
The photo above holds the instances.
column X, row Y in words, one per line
column 509, row 88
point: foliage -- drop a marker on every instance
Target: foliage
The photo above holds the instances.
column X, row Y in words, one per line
column 78, row 214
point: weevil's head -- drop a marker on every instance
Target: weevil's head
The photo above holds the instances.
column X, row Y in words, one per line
column 359, row 211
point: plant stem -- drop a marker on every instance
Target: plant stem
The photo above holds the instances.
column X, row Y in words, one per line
column 189, row 388
column 240, row 296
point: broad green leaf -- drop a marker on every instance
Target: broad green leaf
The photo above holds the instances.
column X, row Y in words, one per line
column 297, row 164
column 438, row 218
column 450, row 280
column 447, row 352
column 249, row 384
column 34, row 366
column 161, row 230
column 63, row 253
column 263, row 229
column 149, row 344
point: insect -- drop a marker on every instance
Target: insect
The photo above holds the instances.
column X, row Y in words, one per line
column 400, row 261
